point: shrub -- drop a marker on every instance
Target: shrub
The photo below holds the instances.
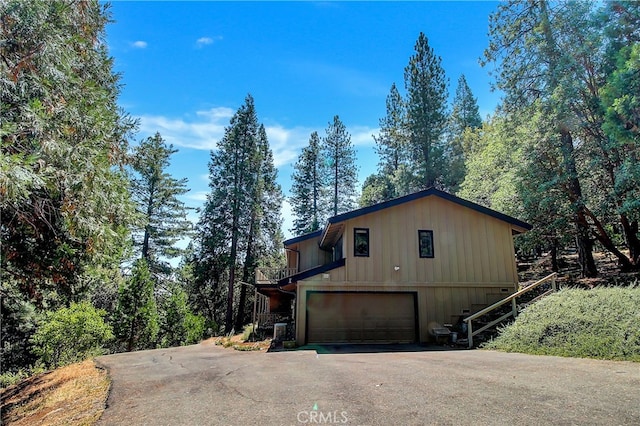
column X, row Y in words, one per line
column 195, row 327
column 602, row 323
column 71, row 334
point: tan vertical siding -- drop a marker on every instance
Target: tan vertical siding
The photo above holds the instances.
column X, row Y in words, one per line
column 469, row 246
column 310, row 254
column 437, row 303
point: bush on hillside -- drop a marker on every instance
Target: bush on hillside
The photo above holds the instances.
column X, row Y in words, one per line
column 602, row 323
column 71, row 334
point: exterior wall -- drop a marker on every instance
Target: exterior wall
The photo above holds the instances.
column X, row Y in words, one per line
column 473, row 265
column 440, row 303
column 469, row 247
column 310, row 255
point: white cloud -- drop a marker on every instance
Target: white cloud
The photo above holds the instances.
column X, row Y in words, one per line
column 206, row 128
column 362, row 135
column 287, row 143
column 203, row 41
column 139, row 44
column 202, row 133
column 199, row 196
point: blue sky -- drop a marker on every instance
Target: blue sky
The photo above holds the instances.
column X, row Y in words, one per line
column 187, row 66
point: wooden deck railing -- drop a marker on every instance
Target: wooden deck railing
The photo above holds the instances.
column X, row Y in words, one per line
column 268, row 319
column 514, row 307
column 273, row 274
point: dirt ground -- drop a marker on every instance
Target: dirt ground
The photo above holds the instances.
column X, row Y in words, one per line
column 569, row 273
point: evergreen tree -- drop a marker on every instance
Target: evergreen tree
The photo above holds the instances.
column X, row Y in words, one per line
column 426, row 102
column 64, row 202
column 391, row 142
column 534, row 72
column 264, row 236
column 556, row 58
column 177, row 324
column 308, row 188
column 64, row 206
column 156, row 193
column 342, row 172
column 136, row 316
column 225, row 222
column 377, row 188
column 464, row 116
column 621, row 123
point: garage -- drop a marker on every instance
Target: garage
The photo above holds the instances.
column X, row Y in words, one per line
column 361, row 317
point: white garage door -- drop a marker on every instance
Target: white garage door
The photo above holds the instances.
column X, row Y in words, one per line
column 338, row 317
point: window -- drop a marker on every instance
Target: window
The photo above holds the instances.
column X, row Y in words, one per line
column 425, row 242
column 361, row 242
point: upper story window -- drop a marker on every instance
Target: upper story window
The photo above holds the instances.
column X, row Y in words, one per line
column 361, row 242
column 425, row 243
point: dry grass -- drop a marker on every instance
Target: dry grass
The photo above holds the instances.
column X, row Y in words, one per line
column 239, row 343
column 71, row 395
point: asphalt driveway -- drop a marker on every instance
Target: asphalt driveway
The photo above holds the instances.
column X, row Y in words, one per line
column 209, row 385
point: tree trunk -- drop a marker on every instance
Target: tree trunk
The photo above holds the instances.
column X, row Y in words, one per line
column 249, row 263
column 606, row 241
column 584, row 243
column 631, row 237
column 554, row 256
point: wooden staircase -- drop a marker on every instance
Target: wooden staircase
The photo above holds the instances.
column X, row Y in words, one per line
column 489, row 318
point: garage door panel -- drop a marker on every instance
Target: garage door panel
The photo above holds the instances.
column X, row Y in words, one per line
column 337, row 317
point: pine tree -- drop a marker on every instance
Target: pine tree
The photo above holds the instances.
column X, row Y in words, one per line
column 464, row 116
column 156, row 193
column 64, row 202
column 136, row 316
column 65, row 207
column 342, row 171
column 308, row 188
column 377, row 188
column 464, row 113
column 551, row 61
column 264, row 236
column 391, row 142
column 426, row 101
column 244, row 202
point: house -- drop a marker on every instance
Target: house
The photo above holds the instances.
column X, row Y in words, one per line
column 394, row 271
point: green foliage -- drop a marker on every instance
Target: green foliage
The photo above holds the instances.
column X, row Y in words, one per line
column 178, row 325
column 195, row 326
column 464, row 117
column 156, row 194
column 554, row 60
column 136, row 317
column 19, row 322
column 247, row 332
column 342, row 172
column 426, row 102
column 9, row 378
column 308, row 188
column 492, row 165
column 391, row 141
column 376, row 189
column 71, row 334
column 241, row 217
column 601, row 323
column 64, row 203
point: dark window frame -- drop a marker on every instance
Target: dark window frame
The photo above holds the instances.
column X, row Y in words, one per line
column 425, row 232
column 355, row 242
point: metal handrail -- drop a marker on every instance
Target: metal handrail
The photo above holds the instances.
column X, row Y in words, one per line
column 514, row 307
